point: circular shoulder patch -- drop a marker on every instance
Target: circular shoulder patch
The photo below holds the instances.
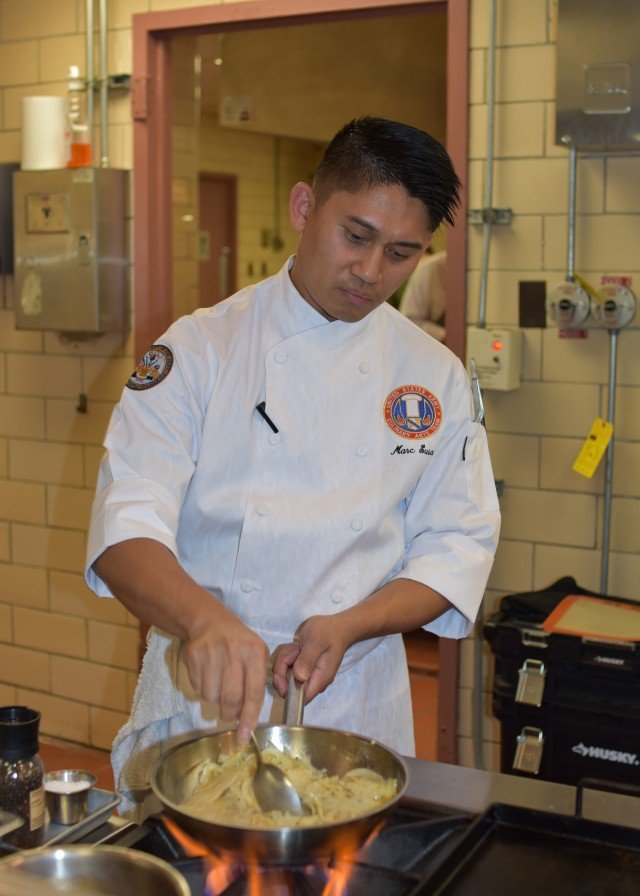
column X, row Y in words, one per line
column 412, row 412
column 153, row 368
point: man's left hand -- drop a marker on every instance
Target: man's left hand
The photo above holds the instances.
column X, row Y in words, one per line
column 321, row 642
column 315, row 655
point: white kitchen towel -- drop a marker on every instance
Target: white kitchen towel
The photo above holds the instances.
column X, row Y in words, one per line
column 139, row 743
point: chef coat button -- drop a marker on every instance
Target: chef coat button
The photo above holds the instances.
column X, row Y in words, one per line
column 280, row 357
column 337, row 596
column 246, row 585
column 363, row 367
column 262, row 510
column 362, row 450
column 357, row 524
column 274, row 438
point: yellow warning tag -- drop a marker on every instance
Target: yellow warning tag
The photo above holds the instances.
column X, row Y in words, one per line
column 586, row 463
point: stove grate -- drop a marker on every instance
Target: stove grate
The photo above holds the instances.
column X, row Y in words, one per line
column 403, row 852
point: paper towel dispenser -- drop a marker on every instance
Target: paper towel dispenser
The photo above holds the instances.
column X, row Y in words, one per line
column 598, row 74
column 70, row 245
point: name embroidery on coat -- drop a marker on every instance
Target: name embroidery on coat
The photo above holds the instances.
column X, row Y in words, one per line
column 402, row 449
column 412, row 412
column 153, row 368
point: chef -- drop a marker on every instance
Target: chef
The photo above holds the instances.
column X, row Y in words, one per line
column 424, row 299
column 294, row 477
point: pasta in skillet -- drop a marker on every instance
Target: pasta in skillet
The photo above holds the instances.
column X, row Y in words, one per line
column 224, row 792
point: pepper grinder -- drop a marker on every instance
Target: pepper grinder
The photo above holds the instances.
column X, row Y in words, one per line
column 21, row 773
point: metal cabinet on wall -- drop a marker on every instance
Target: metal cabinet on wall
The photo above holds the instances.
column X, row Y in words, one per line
column 71, row 259
column 598, row 72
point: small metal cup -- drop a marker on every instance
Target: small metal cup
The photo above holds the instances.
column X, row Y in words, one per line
column 67, row 806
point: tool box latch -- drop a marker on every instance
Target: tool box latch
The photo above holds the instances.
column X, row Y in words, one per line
column 534, row 637
column 531, row 680
column 528, row 755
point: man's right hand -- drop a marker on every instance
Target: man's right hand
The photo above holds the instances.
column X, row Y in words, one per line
column 226, row 661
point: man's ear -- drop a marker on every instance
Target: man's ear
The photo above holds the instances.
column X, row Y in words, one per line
column 301, row 201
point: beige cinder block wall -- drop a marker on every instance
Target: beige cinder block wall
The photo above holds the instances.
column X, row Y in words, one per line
column 62, row 651
column 552, row 517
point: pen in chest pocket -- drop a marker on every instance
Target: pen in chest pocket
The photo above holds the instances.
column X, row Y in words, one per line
column 261, row 409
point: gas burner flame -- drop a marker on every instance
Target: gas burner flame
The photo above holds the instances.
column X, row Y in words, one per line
column 328, row 877
column 221, row 872
column 311, row 880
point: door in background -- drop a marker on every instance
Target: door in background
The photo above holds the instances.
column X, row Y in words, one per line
column 216, row 238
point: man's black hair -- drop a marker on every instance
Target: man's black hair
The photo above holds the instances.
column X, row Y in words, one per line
column 368, row 152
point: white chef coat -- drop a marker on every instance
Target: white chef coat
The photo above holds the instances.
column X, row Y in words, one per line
column 308, row 520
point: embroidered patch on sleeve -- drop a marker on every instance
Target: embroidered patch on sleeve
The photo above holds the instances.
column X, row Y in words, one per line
column 412, row 412
column 153, row 368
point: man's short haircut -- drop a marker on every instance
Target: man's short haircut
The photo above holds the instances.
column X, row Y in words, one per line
column 370, row 152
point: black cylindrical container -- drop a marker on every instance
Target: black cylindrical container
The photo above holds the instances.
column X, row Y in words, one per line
column 21, row 773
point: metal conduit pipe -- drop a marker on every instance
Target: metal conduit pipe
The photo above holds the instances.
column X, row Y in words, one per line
column 478, row 644
column 613, row 355
column 89, row 66
column 104, row 88
column 571, row 240
column 608, row 471
column 488, row 182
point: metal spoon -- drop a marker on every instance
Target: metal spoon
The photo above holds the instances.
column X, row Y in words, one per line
column 272, row 788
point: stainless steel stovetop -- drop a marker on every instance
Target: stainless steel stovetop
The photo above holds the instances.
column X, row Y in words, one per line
column 456, row 824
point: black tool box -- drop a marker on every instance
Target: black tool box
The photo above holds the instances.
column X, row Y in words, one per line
column 569, row 706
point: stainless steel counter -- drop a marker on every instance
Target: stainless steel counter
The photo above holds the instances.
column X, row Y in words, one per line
column 474, row 790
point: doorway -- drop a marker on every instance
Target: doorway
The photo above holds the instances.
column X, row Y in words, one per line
column 262, row 104
column 151, row 98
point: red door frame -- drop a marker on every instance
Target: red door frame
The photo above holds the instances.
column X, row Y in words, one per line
column 151, row 109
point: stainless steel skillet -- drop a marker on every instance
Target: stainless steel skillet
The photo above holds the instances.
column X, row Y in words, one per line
column 326, row 748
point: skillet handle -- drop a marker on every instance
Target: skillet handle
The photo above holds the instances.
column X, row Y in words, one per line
column 294, row 701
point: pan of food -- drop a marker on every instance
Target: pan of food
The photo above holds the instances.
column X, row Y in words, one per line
column 347, row 784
